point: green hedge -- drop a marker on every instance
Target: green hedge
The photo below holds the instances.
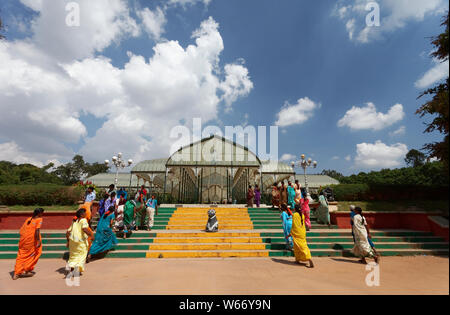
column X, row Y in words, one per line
column 41, row 194
column 363, row 192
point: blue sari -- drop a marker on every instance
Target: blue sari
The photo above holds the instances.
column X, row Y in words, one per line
column 287, row 226
column 291, row 197
column 105, row 239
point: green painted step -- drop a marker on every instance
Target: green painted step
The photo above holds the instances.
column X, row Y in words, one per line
column 268, row 240
column 337, row 233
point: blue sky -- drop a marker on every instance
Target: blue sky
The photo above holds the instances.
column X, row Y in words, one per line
column 300, row 64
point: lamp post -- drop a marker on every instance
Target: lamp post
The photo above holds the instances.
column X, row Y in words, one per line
column 305, row 163
column 119, row 163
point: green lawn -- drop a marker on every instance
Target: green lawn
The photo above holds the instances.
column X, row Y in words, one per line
column 403, row 205
column 46, row 208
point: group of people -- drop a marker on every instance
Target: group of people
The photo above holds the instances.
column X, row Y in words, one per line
column 253, row 196
column 294, row 195
column 117, row 213
column 122, row 213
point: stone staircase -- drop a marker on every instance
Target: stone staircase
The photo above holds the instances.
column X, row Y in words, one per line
column 177, row 233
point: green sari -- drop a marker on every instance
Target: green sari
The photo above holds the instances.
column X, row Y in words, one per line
column 322, row 213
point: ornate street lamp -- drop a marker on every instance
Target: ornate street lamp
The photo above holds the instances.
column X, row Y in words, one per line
column 120, row 164
column 305, row 163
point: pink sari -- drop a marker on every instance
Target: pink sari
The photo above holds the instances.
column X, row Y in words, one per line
column 304, row 202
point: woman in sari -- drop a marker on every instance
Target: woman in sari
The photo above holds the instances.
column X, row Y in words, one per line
column 129, row 222
column 30, row 245
column 322, row 212
column 77, row 242
column 286, row 217
column 120, row 203
column 257, row 196
column 291, row 195
column 275, row 196
column 298, row 233
column 250, row 196
column 102, row 204
column 304, row 203
column 283, row 194
column 361, row 235
column 105, row 239
column 298, row 192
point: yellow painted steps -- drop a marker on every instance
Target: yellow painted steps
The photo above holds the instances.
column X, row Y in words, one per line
column 239, row 242
column 202, row 240
column 208, row 235
column 196, row 218
column 221, row 246
column 202, row 227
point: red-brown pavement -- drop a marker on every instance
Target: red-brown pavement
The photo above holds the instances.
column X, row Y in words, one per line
column 398, row 275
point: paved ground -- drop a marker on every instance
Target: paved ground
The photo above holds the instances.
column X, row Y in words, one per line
column 398, row 275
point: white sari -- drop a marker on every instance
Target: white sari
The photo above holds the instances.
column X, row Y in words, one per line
column 362, row 247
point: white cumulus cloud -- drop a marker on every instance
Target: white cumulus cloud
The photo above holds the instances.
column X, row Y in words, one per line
column 43, row 98
column 287, row 157
column 153, row 21
column 379, row 155
column 399, row 132
column 360, row 118
column 296, row 114
column 394, row 15
column 435, row 74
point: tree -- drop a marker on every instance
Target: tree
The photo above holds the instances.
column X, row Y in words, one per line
column 438, row 105
column 415, row 158
column 78, row 169
column 1, row 29
column 333, row 174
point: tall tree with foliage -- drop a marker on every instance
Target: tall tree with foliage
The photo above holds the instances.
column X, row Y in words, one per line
column 78, row 169
column 333, row 174
column 1, row 29
column 415, row 158
column 438, row 105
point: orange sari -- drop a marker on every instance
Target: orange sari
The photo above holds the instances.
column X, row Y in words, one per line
column 28, row 254
column 87, row 206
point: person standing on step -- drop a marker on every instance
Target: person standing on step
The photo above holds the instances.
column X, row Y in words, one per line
column 298, row 192
column 291, row 195
column 111, row 201
column 77, row 242
column 120, row 203
column 111, row 189
column 286, row 218
column 275, row 196
column 322, row 212
column 105, row 239
column 361, row 233
column 257, row 196
column 101, row 205
column 152, row 205
column 129, row 214
column 250, row 196
column 304, row 204
column 30, row 246
column 283, row 193
column 298, row 233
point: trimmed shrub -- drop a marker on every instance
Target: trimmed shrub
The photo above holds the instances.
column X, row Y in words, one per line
column 41, row 194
